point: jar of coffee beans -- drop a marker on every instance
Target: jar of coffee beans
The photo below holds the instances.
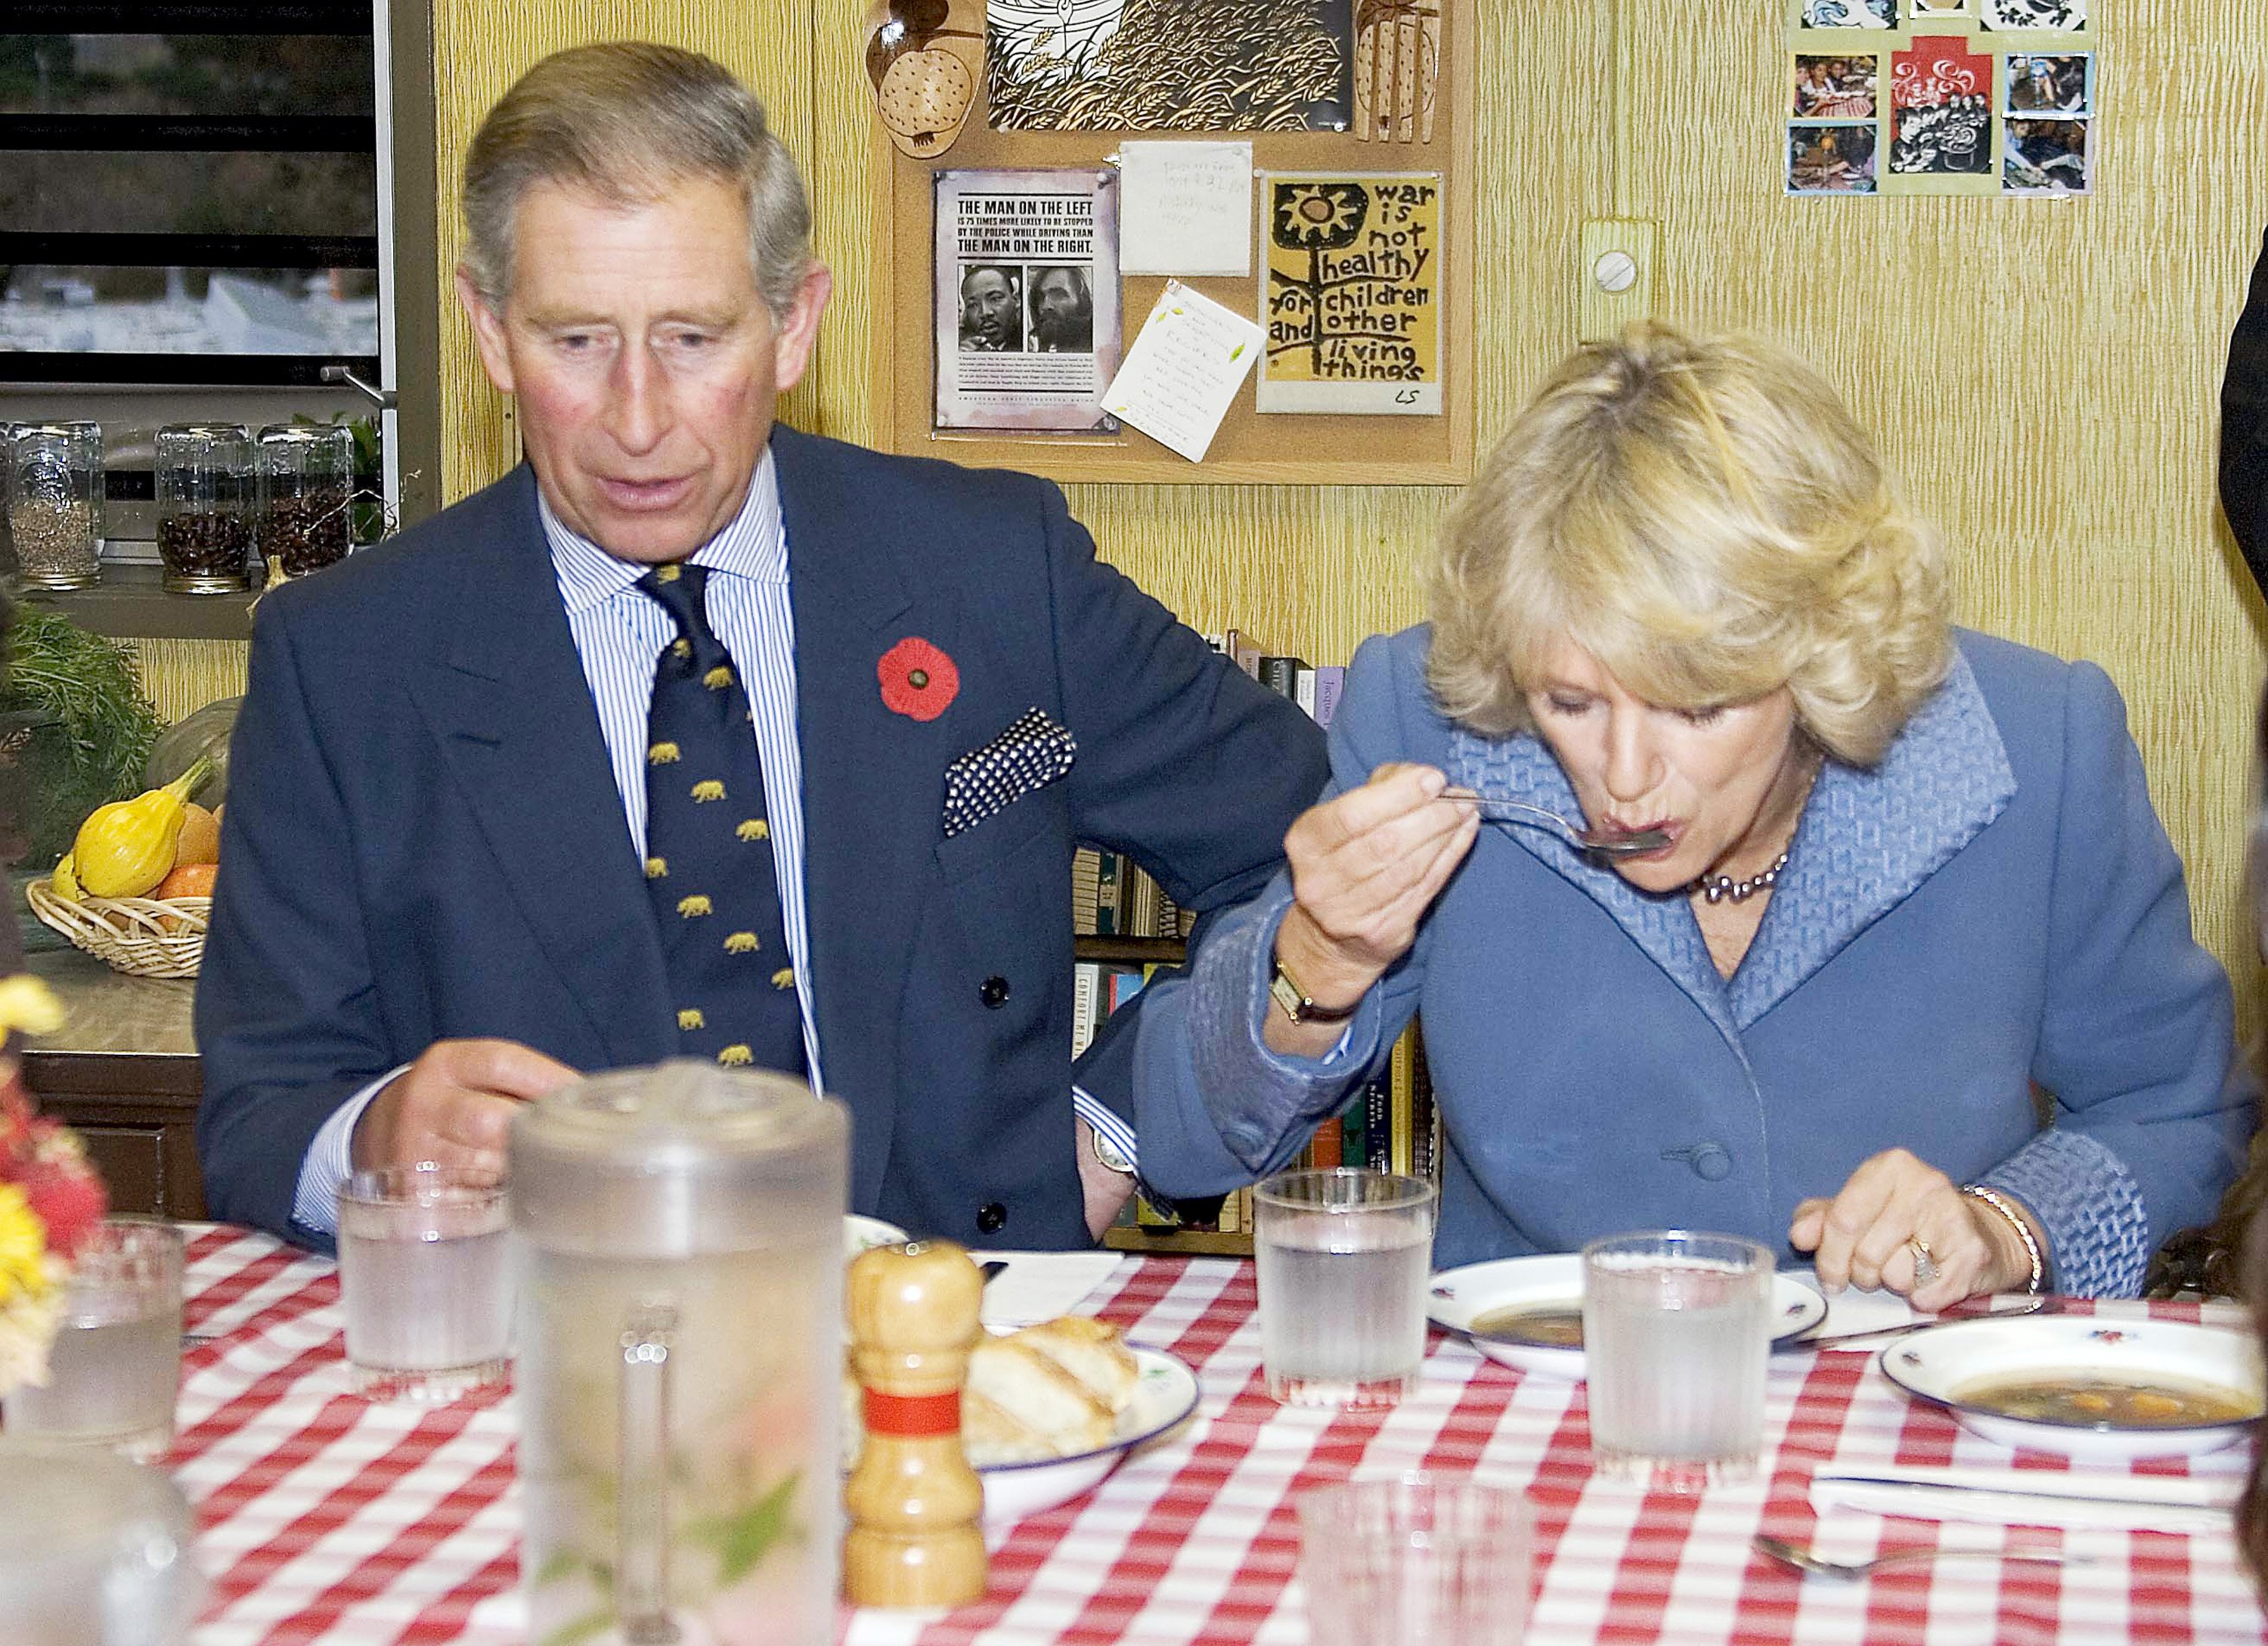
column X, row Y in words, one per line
column 205, row 499
column 306, row 497
column 54, row 502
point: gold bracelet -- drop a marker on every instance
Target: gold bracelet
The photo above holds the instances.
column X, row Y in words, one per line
column 1998, row 1202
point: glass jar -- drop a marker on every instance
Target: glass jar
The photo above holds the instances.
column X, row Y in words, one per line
column 205, row 499
column 306, row 497
column 54, row 503
column 97, row 1551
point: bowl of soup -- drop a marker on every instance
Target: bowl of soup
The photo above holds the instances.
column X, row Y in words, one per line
column 2087, row 1386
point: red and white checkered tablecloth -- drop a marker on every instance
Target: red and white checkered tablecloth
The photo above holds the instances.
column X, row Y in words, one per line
column 323, row 1517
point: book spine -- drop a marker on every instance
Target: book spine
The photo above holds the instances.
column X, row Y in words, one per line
column 1085, row 890
column 1281, row 674
column 1086, row 1005
column 1326, row 1149
column 1402, row 1079
column 1330, row 680
column 1378, row 1126
column 1243, row 651
column 1353, row 1144
column 1107, row 889
column 1303, row 689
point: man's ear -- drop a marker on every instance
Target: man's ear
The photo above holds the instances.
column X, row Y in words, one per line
column 488, row 331
column 794, row 336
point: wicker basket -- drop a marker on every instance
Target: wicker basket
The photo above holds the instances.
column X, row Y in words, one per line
column 146, row 936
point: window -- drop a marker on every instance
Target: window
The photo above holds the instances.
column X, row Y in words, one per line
column 190, row 191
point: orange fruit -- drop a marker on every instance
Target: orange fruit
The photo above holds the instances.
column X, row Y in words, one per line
column 200, row 841
column 190, row 880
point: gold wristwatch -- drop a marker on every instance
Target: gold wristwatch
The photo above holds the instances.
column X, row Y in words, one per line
column 1298, row 1005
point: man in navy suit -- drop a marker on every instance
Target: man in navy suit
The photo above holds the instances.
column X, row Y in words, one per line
column 438, row 900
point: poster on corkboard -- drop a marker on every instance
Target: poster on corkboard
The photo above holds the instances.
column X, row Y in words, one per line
column 1370, row 384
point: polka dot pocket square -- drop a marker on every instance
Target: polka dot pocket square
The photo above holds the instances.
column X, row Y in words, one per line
column 1031, row 754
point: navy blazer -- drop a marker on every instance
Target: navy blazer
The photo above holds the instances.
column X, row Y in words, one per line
column 423, row 838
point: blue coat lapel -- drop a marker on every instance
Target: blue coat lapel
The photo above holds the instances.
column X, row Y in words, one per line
column 871, row 785
column 514, row 715
column 1867, row 839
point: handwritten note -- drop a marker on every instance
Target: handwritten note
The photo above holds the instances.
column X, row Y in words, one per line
column 1184, row 370
column 1186, row 208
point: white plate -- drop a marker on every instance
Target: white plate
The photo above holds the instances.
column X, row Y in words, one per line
column 1165, row 1393
column 863, row 1234
column 1938, row 1364
column 1460, row 1297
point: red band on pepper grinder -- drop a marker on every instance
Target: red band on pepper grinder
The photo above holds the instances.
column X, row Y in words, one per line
column 913, row 1416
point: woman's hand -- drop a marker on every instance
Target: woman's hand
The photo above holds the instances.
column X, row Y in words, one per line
column 1365, row 866
column 1861, row 1238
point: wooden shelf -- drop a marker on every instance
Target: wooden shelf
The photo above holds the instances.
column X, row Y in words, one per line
column 130, row 603
column 1137, row 951
column 1183, row 1243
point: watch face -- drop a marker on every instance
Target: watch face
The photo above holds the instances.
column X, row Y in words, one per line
column 1108, row 1156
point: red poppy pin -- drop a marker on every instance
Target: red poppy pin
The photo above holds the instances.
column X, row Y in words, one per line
column 919, row 680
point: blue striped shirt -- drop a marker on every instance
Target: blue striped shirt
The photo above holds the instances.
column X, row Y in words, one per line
column 619, row 634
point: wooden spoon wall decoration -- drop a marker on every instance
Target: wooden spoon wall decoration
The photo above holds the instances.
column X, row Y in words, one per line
column 926, row 59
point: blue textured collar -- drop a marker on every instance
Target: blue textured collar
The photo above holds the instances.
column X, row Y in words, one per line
column 1866, row 841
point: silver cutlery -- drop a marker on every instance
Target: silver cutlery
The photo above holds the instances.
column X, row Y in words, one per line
column 1606, row 843
column 2029, row 1306
column 1851, row 1571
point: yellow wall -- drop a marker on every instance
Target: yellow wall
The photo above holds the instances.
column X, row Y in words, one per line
column 2042, row 373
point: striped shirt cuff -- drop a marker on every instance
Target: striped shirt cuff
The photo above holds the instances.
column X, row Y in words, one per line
column 330, row 1161
column 1106, row 1122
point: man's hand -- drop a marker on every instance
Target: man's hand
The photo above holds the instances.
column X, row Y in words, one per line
column 453, row 1105
column 1103, row 1190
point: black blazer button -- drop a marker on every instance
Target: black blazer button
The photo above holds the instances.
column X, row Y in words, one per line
column 994, row 993
column 991, row 1217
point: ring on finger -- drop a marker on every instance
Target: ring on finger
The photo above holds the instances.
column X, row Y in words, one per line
column 1924, row 1261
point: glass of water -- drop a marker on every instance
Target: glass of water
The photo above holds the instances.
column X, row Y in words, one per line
column 1342, row 1256
column 426, row 1282
column 1415, row 1560
column 1676, row 1332
column 115, row 1365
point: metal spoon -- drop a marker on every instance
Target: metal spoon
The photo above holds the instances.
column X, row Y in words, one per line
column 1606, row 843
column 1851, row 1571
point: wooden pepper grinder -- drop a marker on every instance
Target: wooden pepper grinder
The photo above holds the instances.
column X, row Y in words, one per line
column 914, row 1502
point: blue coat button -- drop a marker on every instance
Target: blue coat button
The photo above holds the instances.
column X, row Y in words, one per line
column 1710, row 1162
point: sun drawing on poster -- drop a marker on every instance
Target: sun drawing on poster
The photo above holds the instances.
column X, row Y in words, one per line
column 1317, row 214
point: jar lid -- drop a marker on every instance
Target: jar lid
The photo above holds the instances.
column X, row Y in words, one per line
column 679, row 1159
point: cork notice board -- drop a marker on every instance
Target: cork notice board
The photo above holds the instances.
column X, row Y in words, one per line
column 1358, row 112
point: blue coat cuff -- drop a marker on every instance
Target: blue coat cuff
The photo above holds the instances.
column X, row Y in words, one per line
column 2098, row 1229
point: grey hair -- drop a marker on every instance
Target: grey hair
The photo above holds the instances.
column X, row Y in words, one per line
column 627, row 120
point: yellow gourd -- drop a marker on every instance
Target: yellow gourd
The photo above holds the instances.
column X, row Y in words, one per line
column 127, row 847
column 66, row 880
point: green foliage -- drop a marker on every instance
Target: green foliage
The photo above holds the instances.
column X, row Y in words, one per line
column 92, row 725
column 741, row 1540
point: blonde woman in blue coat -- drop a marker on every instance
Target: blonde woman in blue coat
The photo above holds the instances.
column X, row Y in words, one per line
column 1910, row 988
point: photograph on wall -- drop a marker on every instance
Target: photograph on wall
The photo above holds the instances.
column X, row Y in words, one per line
column 1352, row 293
column 1834, row 88
column 2049, row 156
column 1940, row 109
column 2052, row 85
column 1170, row 65
column 1397, row 63
column 1850, row 13
column 2061, row 17
column 1026, row 316
column 1830, row 160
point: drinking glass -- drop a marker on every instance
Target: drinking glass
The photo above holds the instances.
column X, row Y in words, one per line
column 1676, row 1332
column 1414, row 1561
column 116, row 1364
column 1343, row 1258
column 426, row 1282
column 96, row 1551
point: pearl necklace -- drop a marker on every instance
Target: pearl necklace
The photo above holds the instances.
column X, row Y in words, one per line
column 1717, row 888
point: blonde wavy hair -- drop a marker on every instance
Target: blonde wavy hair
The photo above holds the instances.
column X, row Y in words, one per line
column 1705, row 518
